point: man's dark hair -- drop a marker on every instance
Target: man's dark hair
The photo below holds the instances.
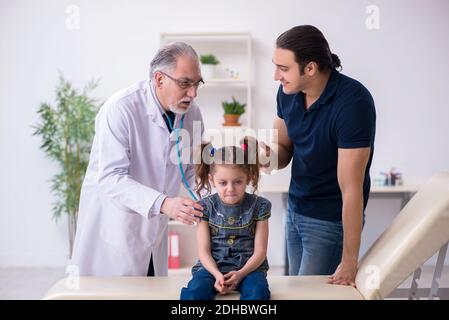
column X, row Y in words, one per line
column 308, row 44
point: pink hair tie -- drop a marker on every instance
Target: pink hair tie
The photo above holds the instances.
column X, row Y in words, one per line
column 244, row 146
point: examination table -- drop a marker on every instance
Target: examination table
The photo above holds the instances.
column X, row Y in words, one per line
column 416, row 234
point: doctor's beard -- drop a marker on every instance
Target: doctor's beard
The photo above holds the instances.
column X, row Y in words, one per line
column 175, row 108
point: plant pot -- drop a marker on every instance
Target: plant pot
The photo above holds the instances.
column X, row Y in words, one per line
column 231, row 120
column 208, row 71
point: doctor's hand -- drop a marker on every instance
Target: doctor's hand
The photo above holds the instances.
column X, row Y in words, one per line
column 182, row 209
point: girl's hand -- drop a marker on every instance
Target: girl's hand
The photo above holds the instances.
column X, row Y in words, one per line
column 233, row 278
column 220, row 284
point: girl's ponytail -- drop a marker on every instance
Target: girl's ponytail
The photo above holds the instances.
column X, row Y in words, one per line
column 202, row 169
column 251, row 151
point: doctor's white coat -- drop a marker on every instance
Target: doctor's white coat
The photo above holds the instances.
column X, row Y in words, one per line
column 119, row 223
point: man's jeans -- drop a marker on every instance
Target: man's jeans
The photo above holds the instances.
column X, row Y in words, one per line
column 314, row 246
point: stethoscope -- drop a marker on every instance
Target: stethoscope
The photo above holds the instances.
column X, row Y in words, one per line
column 178, row 151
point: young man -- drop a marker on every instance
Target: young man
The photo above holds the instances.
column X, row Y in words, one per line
column 326, row 124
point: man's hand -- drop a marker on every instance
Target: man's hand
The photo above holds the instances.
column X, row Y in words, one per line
column 265, row 153
column 182, row 209
column 345, row 274
column 263, row 150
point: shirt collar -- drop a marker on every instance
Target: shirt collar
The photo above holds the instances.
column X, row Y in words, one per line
column 155, row 108
column 328, row 92
column 331, row 87
column 153, row 97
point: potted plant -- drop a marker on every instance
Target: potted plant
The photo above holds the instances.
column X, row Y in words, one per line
column 208, row 65
column 232, row 112
column 67, row 132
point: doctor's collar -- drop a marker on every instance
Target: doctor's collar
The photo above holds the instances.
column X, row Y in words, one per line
column 154, row 96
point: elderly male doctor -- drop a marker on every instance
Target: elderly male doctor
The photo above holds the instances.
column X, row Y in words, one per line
column 131, row 184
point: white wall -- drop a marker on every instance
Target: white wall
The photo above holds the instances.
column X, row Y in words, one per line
column 404, row 64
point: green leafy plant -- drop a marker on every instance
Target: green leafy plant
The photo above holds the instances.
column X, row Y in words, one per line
column 209, row 59
column 233, row 107
column 67, row 132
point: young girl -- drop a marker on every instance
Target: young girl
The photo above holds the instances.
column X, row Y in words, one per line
column 232, row 237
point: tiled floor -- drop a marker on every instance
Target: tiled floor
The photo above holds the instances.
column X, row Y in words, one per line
column 32, row 283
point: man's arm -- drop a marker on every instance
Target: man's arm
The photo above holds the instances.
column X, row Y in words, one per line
column 281, row 147
column 351, row 168
column 281, row 144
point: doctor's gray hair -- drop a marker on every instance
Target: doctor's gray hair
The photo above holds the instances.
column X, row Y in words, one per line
column 165, row 58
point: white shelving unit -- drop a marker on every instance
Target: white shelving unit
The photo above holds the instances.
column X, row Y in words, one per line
column 233, row 50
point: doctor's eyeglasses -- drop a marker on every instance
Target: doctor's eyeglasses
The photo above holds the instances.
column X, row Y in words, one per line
column 185, row 83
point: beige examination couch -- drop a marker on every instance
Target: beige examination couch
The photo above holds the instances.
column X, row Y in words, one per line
column 415, row 235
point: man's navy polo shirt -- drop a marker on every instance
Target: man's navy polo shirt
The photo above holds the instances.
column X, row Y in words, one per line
column 343, row 117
